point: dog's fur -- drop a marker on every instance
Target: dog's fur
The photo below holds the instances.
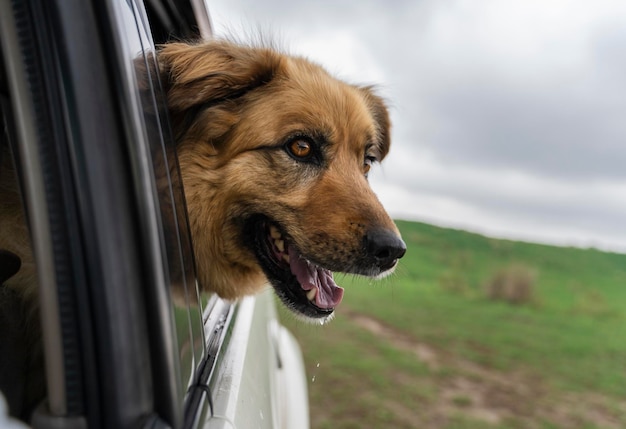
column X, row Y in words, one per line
column 235, row 110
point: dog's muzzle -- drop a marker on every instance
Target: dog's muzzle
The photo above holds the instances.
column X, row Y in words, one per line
column 306, row 287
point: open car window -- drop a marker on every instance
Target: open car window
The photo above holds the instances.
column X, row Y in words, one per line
column 157, row 158
column 85, row 121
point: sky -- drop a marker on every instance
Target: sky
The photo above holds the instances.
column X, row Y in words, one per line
column 509, row 117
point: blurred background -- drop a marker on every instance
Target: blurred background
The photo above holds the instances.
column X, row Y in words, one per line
column 507, row 178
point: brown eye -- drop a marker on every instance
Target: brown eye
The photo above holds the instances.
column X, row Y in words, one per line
column 367, row 165
column 300, row 148
column 304, row 149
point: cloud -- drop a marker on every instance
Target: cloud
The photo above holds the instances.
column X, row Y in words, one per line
column 515, row 84
column 504, row 203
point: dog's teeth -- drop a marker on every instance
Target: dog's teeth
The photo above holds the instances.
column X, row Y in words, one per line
column 286, row 258
column 280, row 245
column 311, row 294
column 274, row 232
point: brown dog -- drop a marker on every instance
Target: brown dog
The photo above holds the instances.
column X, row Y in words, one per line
column 274, row 155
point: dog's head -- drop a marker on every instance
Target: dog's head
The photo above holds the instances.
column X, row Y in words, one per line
column 274, row 155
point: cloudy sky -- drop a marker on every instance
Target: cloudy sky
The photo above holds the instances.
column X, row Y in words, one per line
column 509, row 116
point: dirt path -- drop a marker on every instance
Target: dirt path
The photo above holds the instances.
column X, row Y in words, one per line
column 485, row 394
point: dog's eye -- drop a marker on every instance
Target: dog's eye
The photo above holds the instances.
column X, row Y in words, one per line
column 367, row 165
column 301, row 149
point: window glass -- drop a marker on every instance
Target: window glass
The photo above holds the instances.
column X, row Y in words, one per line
column 187, row 311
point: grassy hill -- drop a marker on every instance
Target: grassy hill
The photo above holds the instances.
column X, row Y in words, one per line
column 474, row 332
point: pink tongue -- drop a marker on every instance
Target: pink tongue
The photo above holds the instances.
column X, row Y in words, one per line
column 311, row 276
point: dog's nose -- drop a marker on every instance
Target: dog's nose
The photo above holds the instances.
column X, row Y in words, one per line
column 385, row 246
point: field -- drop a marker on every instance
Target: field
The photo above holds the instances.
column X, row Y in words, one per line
column 474, row 332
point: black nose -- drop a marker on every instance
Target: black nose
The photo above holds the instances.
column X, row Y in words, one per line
column 385, row 246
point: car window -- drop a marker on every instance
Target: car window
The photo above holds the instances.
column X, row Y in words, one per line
column 139, row 154
column 139, row 51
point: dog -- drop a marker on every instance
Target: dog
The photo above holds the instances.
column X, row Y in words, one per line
column 274, row 155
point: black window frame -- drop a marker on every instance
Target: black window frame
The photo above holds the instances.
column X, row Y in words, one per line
column 95, row 338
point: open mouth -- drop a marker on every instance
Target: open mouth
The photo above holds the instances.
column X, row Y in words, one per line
column 304, row 287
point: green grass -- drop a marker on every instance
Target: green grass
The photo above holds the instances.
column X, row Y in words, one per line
column 566, row 344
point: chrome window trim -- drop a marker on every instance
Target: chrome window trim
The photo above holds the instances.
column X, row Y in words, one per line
column 218, row 318
column 200, row 11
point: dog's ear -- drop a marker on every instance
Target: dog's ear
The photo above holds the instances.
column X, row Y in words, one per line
column 381, row 116
column 196, row 74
